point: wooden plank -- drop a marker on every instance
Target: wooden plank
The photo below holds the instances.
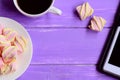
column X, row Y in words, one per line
column 63, row 72
column 67, row 46
column 101, row 4
column 69, row 17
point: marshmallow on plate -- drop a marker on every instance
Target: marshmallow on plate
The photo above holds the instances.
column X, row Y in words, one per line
column 7, row 68
column 9, row 34
column 11, row 44
column 4, row 42
column 9, row 54
column 1, row 63
column 20, row 43
column 1, row 29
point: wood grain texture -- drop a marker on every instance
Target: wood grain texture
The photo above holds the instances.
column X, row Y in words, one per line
column 69, row 18
column 67, row 46
column 97, row 5
column 63, row 72
column 63, row 40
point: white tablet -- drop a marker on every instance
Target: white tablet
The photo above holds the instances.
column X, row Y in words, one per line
column 112, row 62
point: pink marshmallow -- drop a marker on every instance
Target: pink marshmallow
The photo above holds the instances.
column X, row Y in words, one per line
column 1, row 29
column 9, row 54
column 1, row 62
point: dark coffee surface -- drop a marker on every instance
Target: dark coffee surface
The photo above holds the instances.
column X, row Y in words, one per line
column 34, row 6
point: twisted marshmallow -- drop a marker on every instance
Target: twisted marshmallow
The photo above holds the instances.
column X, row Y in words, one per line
column 97, row 23
column 9, row 54
column 1, row 28
column 20, row 43
column 9, row 34
column 1, row 63
column 7, row 68
column 4, row 42
column 84, row 10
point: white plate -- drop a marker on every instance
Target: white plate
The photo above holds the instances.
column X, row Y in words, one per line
column 23, row 60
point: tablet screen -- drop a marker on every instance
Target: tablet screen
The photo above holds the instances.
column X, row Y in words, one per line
column 115, row 56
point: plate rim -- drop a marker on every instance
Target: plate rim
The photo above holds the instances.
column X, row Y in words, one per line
column 30, row 43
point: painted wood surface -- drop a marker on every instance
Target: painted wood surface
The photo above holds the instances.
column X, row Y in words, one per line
column 67, row 46
column 69, row 18
column 64, row 48
column 64, row 72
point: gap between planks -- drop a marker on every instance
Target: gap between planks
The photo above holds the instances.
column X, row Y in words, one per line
column 63, row 64
column 36, row 28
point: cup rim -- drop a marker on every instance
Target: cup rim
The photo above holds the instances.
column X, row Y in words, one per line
column 31, row 15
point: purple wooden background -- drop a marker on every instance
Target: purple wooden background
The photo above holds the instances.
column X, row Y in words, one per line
column 64, row 49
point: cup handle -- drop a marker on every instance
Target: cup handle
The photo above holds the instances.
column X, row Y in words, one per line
column 55, row 10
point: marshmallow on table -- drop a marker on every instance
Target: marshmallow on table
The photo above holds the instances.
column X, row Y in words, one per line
column 84, row 10
column 97, row 23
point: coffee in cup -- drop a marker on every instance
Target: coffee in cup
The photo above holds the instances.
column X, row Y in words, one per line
column 35, row 8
